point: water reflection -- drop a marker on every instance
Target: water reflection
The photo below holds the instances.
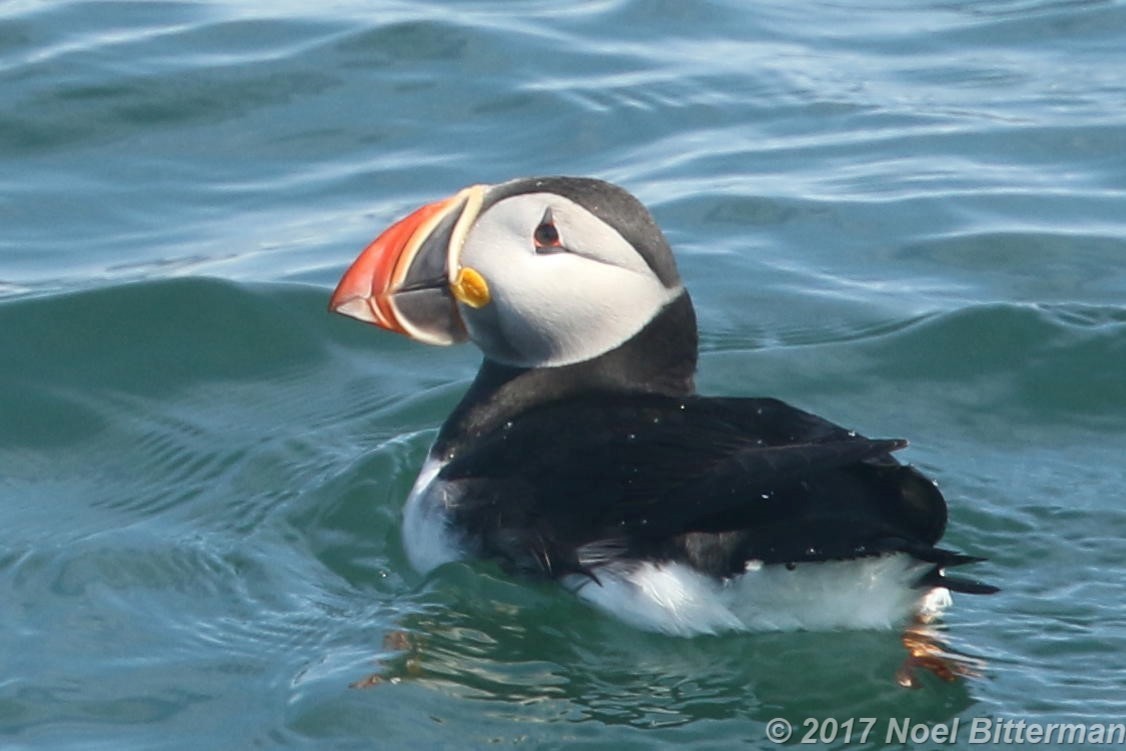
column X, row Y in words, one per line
column 512, row 646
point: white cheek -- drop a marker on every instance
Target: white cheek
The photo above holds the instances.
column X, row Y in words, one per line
column 551, row 309
column 562, row 308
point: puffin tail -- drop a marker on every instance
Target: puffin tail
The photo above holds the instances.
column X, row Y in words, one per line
column 937, row 576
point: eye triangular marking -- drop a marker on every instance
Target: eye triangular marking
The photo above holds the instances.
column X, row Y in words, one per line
column 546, row 236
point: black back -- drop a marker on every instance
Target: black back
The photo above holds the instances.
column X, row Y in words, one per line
column 657, row 476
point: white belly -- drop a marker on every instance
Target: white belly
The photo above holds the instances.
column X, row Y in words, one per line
column 867, row 593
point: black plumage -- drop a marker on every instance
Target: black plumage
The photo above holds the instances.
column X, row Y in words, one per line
column 617, row 459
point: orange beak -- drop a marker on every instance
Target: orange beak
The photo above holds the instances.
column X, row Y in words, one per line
column 401, row 281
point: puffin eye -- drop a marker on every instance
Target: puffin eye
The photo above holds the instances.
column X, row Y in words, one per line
column 546, row 236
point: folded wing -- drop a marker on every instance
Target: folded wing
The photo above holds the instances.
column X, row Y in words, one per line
column 717, row 481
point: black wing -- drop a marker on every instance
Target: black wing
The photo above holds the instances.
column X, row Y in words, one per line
column 718, row 481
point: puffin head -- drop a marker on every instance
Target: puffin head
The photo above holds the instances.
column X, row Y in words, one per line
column 537, row 272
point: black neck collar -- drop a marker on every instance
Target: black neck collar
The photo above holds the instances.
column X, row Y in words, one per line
column 660, row 359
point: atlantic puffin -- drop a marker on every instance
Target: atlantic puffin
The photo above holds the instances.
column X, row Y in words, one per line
column 582, row 452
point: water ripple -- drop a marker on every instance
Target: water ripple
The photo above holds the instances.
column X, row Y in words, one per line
column 907, row 217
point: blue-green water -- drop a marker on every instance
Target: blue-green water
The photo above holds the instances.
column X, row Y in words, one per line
column 907, row 216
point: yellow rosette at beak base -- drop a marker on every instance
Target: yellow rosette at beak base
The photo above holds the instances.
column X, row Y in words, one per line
column 470, row 288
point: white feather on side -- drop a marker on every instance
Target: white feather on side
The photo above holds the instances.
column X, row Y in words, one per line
column 866, row 593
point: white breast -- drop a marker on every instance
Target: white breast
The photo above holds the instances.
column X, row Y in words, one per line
column 427, row 536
